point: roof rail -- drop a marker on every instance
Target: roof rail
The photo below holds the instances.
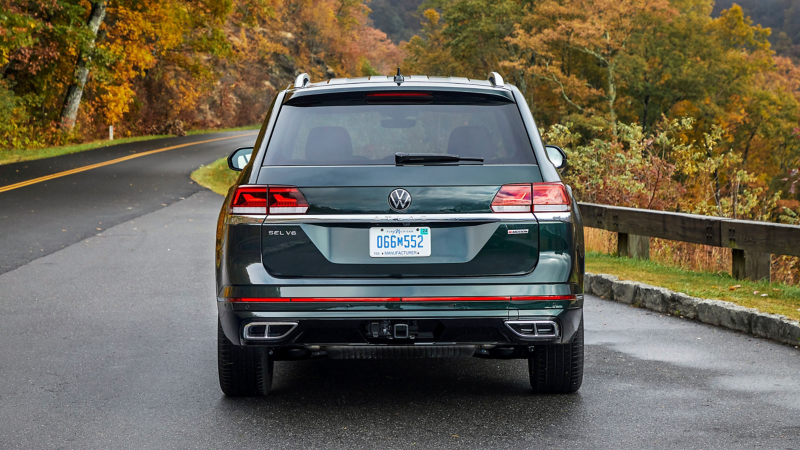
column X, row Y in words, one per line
column 496, row 79
column 302, row 80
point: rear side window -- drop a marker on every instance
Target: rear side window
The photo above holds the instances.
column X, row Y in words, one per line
column 357, row 133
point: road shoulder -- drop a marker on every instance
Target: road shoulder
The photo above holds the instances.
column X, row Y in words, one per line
column 712, row 312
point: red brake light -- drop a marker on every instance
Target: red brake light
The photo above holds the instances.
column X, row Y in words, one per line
column 286, row 200
column 512, row 198
column 399, row 95
column 550, row 197
column 249, row 200
column 401, row 98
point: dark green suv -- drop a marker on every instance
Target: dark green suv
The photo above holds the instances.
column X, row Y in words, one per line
column 399, row 217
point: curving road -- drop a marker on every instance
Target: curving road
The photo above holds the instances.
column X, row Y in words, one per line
column 108, row 340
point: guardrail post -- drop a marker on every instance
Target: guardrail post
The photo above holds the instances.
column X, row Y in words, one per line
column 622, row 245
column 750, row 265
column 633, row 246
column 639, row 246
column 737, row 264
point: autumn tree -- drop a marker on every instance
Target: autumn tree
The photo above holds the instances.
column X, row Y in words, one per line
column 75, row 90
column 147, row 62
column 601, row 31
column 429, row 54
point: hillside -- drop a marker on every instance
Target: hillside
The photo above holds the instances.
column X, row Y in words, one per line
column 399, row 19
column 782, row 16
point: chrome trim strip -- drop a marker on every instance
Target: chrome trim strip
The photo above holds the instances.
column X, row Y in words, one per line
column 536, row 334
column 398, row 218
column 246, row 332
column 383, row 218
column 553, row 216
column 245, row 219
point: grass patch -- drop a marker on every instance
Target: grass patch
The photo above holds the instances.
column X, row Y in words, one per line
column 216, row 176
column 780, row 299
column 8, row 156
column 223, row 130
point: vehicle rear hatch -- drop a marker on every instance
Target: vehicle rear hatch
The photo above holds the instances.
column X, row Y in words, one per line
column 340, row 154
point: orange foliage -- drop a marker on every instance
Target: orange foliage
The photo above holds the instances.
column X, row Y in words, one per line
column 207, row 63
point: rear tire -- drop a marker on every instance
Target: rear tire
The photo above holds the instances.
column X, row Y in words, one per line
column 243, row 371
column 558, row 369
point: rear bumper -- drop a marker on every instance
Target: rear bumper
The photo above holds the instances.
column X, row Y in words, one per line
column 298, row 334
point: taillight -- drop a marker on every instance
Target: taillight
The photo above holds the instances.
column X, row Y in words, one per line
column 249, row 200
column 513, row 198
column 538, row 197
column 268, row 200
column 550, row 197
column 286, row 200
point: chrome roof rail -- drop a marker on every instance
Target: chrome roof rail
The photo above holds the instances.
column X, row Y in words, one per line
column 302, row 80
column 496, row 79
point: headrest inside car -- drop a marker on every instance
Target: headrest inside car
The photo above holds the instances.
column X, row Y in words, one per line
column 329, row 144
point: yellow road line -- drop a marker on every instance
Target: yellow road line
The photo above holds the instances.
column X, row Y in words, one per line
column 113, row 161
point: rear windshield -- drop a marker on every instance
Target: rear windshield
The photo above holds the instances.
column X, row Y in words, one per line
column 362, row 134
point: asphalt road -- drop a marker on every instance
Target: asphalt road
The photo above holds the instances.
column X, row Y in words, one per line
column 110, row 342
column 39, row 219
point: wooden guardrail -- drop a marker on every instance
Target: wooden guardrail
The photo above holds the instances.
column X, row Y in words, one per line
column 751, row 242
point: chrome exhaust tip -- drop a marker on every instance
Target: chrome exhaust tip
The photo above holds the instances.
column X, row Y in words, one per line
column 268, row 331
column 533, row 329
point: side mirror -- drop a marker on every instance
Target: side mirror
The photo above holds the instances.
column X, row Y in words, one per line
column 557, row 156
column 239, row 158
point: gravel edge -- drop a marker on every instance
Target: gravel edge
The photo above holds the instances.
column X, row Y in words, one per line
column 713, row 312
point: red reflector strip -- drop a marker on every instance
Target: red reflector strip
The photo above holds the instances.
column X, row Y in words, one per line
column 344, row 300
column 456, row 299
column 260, row 299
column 543, row 298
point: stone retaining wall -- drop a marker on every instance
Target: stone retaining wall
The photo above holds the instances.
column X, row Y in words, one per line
column 713, row 312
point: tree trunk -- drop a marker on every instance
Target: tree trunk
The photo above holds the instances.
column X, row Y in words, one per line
column 612, row 99
column 747, row 147
column 75, row 91
column 717, row 194
column 646, row 104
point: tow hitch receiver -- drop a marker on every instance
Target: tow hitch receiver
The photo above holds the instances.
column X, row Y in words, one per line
column 390, row 329
column 401, row 331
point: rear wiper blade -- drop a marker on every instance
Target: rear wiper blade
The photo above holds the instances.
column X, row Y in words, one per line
column 412, row 158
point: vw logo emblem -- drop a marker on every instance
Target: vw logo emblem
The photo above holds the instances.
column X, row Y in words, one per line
column 399, row 200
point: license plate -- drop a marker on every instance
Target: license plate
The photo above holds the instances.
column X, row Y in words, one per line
column 399, row 242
